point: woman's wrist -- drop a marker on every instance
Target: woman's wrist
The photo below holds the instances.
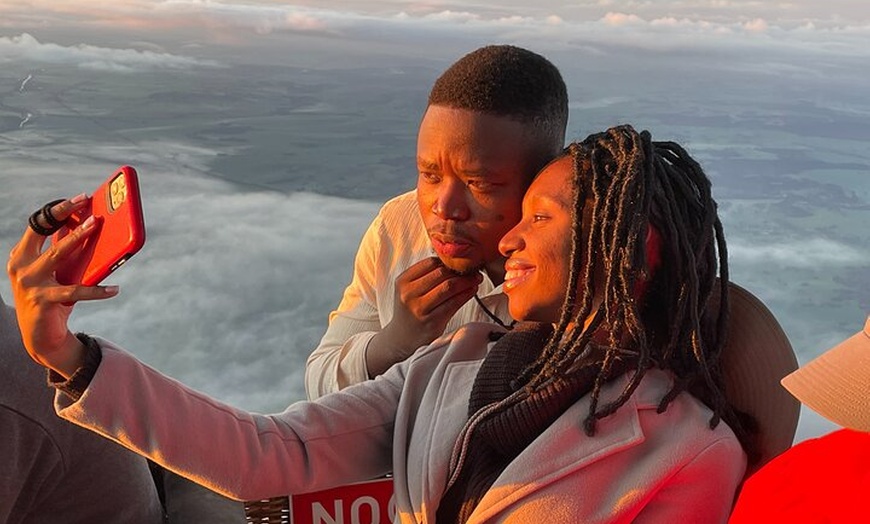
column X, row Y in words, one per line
column 67, row 360
column 89, row 356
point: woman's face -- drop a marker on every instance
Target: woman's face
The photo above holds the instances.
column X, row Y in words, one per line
column 539, row 247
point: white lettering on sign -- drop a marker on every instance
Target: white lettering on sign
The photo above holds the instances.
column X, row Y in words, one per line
column 320, row 515
column 372, row 503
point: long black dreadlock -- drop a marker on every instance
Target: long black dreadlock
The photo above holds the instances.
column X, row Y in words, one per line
column 631, row 183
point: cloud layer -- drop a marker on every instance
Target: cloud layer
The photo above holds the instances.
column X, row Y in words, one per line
column 25, row 47
column 842, row 27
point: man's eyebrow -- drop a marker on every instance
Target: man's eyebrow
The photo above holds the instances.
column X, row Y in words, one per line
column 476, row 173
column 428, row 165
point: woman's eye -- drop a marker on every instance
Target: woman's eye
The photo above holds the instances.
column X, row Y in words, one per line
column 539, row 217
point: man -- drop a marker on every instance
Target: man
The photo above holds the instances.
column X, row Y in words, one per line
column 493, row 120
column 825, row 479
column 54, row 471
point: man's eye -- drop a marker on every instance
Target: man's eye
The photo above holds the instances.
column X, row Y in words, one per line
column 537, row 217
column 429, row 177
column 480, row 185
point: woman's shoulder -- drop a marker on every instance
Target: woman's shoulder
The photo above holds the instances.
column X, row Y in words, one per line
column 685, row 415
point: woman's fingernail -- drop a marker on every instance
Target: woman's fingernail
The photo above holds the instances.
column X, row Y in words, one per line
column 112, row 290
column 88, row 223
column 78, row 198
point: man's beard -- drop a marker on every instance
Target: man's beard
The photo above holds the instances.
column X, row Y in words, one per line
column 463, row 269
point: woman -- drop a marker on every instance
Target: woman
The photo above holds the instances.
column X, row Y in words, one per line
column 604, row 405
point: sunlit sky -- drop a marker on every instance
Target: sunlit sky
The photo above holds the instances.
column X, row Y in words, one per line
column 330, row 14
column 172, row 25
column 806, row 39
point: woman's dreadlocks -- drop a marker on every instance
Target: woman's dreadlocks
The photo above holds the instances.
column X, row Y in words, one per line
column 631, row 183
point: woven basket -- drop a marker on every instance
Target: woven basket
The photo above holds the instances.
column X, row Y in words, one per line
column 275, row 510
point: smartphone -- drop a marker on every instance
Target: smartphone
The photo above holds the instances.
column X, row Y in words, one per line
column 117, row 209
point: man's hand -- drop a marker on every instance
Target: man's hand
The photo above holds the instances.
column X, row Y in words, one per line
column 42, row 305
column 428, row 294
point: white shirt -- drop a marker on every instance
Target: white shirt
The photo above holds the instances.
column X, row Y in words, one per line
column 394, row 241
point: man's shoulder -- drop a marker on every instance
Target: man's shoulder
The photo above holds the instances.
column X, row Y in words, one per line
column 399, row 230
column 404, row 205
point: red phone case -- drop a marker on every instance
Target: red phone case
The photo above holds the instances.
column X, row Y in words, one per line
column 117, row 207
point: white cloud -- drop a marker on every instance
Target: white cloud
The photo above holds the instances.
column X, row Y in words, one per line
column 453, row 16
column 262, row 18
column 803, row 253
column 27, row 48
column 757, row 25
column 304, row 22
column 621, row 19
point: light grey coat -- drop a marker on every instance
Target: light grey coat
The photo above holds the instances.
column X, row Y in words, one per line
column 639, row 467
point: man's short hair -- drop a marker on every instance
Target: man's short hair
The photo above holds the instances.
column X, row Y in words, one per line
column 506, row 80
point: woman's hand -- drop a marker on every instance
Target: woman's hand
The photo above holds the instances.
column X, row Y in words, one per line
column 43, row 306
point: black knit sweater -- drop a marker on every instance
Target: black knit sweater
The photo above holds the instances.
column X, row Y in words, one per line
column 500, row 435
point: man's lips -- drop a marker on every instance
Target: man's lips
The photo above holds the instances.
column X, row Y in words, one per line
column 450, row 245
column 516, row 272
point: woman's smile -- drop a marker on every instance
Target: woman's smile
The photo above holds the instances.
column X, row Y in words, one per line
column 516, row 272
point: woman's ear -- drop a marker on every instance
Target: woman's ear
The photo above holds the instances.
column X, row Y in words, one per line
column 653, row 252
column 653, row 249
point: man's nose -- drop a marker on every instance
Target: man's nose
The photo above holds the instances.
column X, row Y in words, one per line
column 451, row 204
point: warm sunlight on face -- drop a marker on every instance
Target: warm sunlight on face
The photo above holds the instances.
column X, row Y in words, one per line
column 539, row 247
column 473, row 169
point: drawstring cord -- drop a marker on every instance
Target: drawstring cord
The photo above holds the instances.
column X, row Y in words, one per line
column 491, row 315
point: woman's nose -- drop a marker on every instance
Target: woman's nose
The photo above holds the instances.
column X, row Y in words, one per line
column 511, row 241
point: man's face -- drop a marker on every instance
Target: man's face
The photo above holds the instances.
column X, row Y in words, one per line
column 473, row 171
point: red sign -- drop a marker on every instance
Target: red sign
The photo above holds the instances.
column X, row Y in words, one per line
column 369, row 502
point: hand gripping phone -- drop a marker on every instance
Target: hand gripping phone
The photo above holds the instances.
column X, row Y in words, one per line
column 117, row 209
